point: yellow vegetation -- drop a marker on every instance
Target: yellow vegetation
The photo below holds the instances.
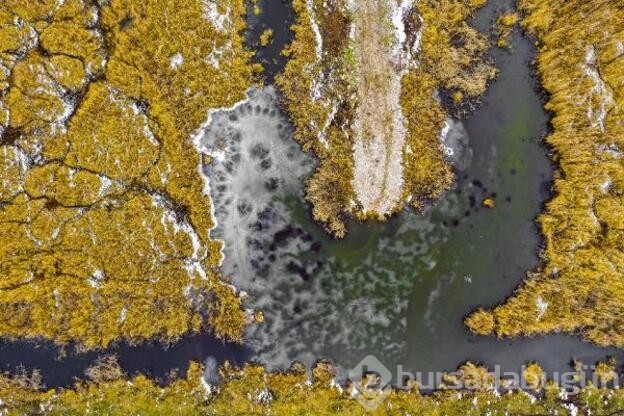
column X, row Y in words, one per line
column 251, row 391
column 504, row 26
column 579, row 287
column 103, row 216
column 266, row 37
column 534, row 377
column 489, row 203
column 480, row 322
column 605, row 371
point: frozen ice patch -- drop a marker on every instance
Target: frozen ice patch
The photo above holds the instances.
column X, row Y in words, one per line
column 456, row 144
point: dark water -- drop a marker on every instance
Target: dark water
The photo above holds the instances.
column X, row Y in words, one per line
column 62, row 368
column 278, row 16
column 492, row 249
column 398, row 290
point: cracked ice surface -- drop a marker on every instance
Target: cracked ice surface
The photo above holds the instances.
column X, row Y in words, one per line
column 255, row 163
column 315, row 302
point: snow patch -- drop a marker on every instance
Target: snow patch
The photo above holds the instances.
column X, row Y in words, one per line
column 214, row 13
column 96, row 279
column 541, row 306
column 600, row 92
column 176, row 61
column 318, row 45
column 123, row 314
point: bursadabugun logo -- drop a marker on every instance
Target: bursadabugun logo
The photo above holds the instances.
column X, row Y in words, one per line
column 370, row 380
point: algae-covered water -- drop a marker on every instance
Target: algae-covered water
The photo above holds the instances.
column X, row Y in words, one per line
column 400, row 290
column 397, row 290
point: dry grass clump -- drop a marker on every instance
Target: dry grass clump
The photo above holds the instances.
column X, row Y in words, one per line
column 504, row 26
column 105, row 369
column 481, row 322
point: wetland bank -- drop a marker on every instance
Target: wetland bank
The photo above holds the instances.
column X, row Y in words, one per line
column 398, row 289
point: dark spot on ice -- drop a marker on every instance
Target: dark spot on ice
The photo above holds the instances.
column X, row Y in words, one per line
column 477, row 183
column 472, row 200
column 295, row 268
column 259, row 151
column 271, row 184
column 266, row 164
column 283, row 235
column 257, row 226
column 265, row 215
column 255, row 244
column 455, row 222
column 244, row 208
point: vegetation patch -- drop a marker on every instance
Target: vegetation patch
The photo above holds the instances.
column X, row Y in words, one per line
column 579, row 287
column 104, row 217
column 362, row 87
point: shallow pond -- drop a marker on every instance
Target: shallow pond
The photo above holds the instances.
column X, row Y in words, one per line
column 400, row 290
